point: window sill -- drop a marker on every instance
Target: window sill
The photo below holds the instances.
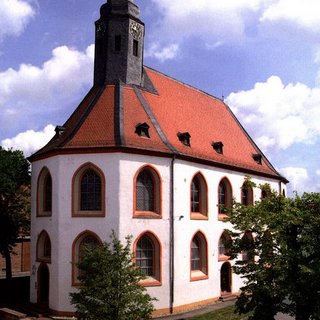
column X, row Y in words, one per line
column 150, row 282
column 146, row 215
column 198, row 275
column 223, row 258
column 222, row 216
column 198, row 216
column 44, row 214
column 88, row 214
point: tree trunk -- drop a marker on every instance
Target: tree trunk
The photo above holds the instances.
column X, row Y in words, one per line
column 7, row 257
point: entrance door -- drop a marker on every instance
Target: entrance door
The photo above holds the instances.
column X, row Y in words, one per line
column 225, row 278
column 43, row 284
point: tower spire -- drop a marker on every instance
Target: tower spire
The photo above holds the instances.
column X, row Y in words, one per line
column 119, row 44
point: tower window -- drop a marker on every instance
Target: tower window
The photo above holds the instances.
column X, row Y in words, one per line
column 135, row 48
column 117, row 43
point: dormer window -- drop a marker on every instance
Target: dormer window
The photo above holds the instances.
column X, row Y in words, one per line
column 184, row 137
column 218, row 147
column 257, row 158
column 142, row 130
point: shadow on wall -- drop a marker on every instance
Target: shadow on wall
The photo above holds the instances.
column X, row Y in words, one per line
column 14, row 292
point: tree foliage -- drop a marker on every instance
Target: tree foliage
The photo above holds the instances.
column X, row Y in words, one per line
column 110, row 288
column 14, row 201
column 285, row 274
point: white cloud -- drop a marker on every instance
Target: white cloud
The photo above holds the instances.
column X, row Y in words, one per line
column 299, row 179
column 218, row 22
column 14, row 16
column 30, row 140
column 301, row 13
column 162, row 54
column 31, row 95
column 278, row 115
column 213, row 21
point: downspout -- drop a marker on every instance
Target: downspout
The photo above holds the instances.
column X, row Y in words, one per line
column 171, row 231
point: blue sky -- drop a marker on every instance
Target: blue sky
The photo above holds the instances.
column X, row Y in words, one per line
column 262, row 56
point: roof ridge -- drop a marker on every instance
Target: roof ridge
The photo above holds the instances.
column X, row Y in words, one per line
column 84, row 115
column 119, row 136
column 184, row 84
column 153, row 119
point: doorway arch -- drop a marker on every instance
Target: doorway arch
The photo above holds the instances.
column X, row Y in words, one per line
column 43, row 278
column 226, row 278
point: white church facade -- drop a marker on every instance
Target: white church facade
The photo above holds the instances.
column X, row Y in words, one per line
column 148, row 156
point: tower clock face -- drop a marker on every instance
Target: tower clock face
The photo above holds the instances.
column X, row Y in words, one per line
column 136, row 30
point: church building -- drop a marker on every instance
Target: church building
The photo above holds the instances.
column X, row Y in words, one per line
column 144, row 155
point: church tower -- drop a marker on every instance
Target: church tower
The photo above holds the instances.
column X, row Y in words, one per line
column 119, row 44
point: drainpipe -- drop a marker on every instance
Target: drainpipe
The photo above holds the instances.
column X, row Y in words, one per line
column 171, row 231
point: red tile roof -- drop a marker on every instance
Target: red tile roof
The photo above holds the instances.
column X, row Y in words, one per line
column 107, row 117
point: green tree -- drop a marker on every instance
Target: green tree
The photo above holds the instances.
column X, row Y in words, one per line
column 14, row 202
column 110, row 288
column 286, row 243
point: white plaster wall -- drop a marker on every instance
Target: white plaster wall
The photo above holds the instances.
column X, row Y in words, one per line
column 119, row 170
column 186, row 291
column 62, row 228
column 129, row 166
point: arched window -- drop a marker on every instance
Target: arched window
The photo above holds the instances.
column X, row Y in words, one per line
column 147, row 252
column 85, row 240
column 44, row 193
column 265, row 191
column 198, row 257
column 88, row 192
column 147, row 193
column 248, row 245
column 198, row 201
column 225, row 242
column 246, row 195
column 144, row 256
column 224, row 197
column 44, row 247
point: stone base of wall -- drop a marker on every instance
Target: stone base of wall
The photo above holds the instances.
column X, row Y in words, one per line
column 9, row 314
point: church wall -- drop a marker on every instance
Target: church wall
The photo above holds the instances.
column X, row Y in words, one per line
column 120, row 170
column 129, row 166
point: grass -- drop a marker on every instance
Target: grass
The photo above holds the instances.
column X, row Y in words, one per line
column 226, row 313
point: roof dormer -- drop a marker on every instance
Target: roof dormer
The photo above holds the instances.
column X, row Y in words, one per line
column 218, row 147
column 184, row 138
column 142, row 130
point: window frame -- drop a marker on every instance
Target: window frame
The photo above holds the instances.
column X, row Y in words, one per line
column 156, row 278
column 202, row 272
column 43, row 240
column 76, row 253
column 223, row 237
column 247, row 199
column 76, row 193
column 202, row 213
column 247, row 254
column 227, row 198
column 42, row 194
column 157, row 194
